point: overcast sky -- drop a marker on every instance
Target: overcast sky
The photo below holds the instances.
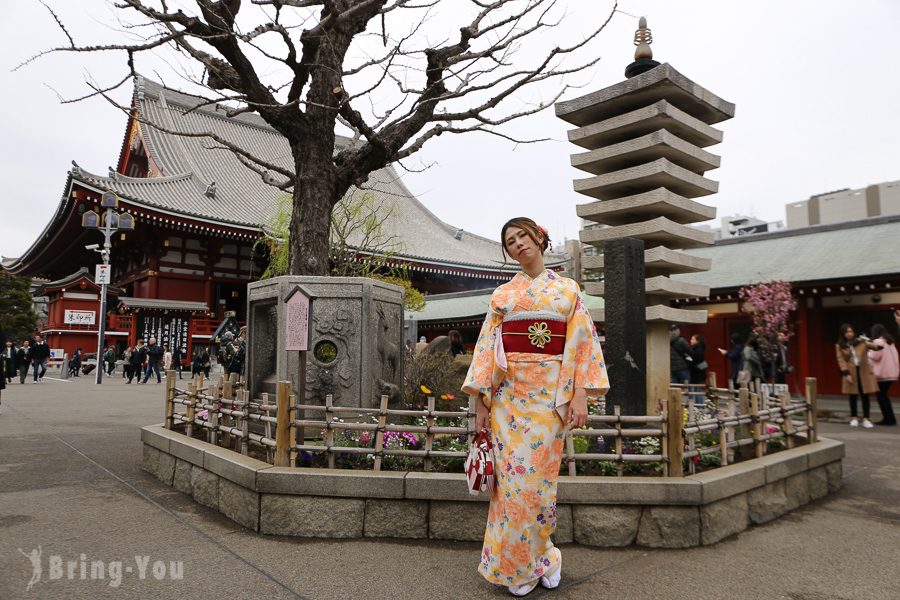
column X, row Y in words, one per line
column 815, row 84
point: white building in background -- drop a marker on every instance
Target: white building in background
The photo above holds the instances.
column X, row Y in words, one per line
column 739, row 225
column 840, row 206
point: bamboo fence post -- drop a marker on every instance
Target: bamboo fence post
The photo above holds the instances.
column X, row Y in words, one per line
column 675, row 438
column 664, row 436
column 282, row 425
column 379, row 433
column 245, row 423
column 570, row 453
column 212, row 414
column 267, row 426
column 170, row 399
column 711, row 380
column 812, row 418
column 786, row 425
column 471, row 418
column 620, row 463
column 731, row 412
column 744, row 408
column 292, row 437
column 723, row 437
column 757, row 426
column 227, row 399
column 329, row 431
column 192, row 398
column 429, row 436
column 692, row 437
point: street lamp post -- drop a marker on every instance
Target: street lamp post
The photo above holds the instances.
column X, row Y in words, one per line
column 110, row 222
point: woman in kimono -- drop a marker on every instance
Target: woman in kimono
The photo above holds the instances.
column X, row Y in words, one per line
column 536, row 359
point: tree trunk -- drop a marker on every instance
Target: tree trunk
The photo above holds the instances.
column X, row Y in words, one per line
column 316, row 191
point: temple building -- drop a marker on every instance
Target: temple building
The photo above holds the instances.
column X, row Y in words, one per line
column 198, row 213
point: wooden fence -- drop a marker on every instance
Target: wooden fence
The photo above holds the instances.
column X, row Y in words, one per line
column 283, row 430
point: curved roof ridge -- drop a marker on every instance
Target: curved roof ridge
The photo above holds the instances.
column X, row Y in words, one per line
column 128, row 179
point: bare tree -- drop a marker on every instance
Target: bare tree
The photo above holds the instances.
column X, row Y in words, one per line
column 324, row 60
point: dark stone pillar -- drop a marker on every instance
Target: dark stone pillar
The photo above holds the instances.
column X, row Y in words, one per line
column 626, row 343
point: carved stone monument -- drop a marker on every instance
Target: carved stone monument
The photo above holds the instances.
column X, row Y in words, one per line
column 355, row 338
column 644, row 139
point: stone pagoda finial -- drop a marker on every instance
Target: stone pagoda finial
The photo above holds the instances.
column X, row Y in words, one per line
column 643, row 37
column 643, row 55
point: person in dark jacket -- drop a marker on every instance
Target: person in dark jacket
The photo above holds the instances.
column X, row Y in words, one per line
column 75, row 363
column 698, row 353
column 236, row 361
column 40, row 353
column 456, row 343
column 136, row 362
column 154, row 355
column 109, row 357
column 2, row 379
column 9, row 361
column 735, row 355
column 177, row 358
column 679, row 356
column 23, row 360
column 752, row 359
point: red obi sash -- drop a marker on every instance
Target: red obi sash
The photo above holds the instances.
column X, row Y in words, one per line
column 538, row 336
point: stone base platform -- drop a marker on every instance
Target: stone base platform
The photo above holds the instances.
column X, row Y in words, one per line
column 660, row 512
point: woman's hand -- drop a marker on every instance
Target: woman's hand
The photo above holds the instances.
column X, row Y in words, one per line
column 482, row 415
column 723, row 351
column 578, row 409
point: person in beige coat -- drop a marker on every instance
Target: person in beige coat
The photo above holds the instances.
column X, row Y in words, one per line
column 858, row 378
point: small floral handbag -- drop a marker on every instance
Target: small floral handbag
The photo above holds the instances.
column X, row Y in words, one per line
column 480, row 465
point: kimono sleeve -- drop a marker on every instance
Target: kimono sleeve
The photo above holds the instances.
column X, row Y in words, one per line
column 479, row 379
column 583, row 365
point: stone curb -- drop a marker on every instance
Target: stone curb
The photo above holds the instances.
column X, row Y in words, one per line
column 699, row 509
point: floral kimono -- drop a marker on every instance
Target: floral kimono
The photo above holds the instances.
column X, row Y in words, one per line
column 528, row 393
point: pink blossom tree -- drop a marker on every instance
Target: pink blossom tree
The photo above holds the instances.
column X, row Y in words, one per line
column 769, row 305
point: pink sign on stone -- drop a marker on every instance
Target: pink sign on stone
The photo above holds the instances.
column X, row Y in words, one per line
column 297, row 322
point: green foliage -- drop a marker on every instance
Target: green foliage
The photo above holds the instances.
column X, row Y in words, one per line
column 17, row 317
column 413, row 299
column 359, row 246
column 277, row 232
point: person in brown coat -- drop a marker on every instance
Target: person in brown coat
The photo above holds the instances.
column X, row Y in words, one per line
column 858, row 378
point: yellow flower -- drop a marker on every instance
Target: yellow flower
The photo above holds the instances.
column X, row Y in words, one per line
column 424, row 389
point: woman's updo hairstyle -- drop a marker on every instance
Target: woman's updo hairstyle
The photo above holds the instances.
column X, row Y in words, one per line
column 537, row 233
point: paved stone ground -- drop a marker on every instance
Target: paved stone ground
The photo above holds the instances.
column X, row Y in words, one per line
column 71, row 484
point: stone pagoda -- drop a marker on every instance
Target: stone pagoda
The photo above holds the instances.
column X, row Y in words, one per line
column 644, row 143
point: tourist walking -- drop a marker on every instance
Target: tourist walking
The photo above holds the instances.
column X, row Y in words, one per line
column 237, row 354
column 109, row 357
column 138, row 356
column 751, row 357
column 154, row 356
column 205, row 362
column 177, row 359
column 679, row 356
column 75, row 363
column 536, row 359
column 23, row 360
column 735, row 356
column 856, row 372
column 40, row 353
column 9, row 361
column 699, row 365
column 3, row 344
column 782, row 367
column 166, row 358
column 886, row 368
